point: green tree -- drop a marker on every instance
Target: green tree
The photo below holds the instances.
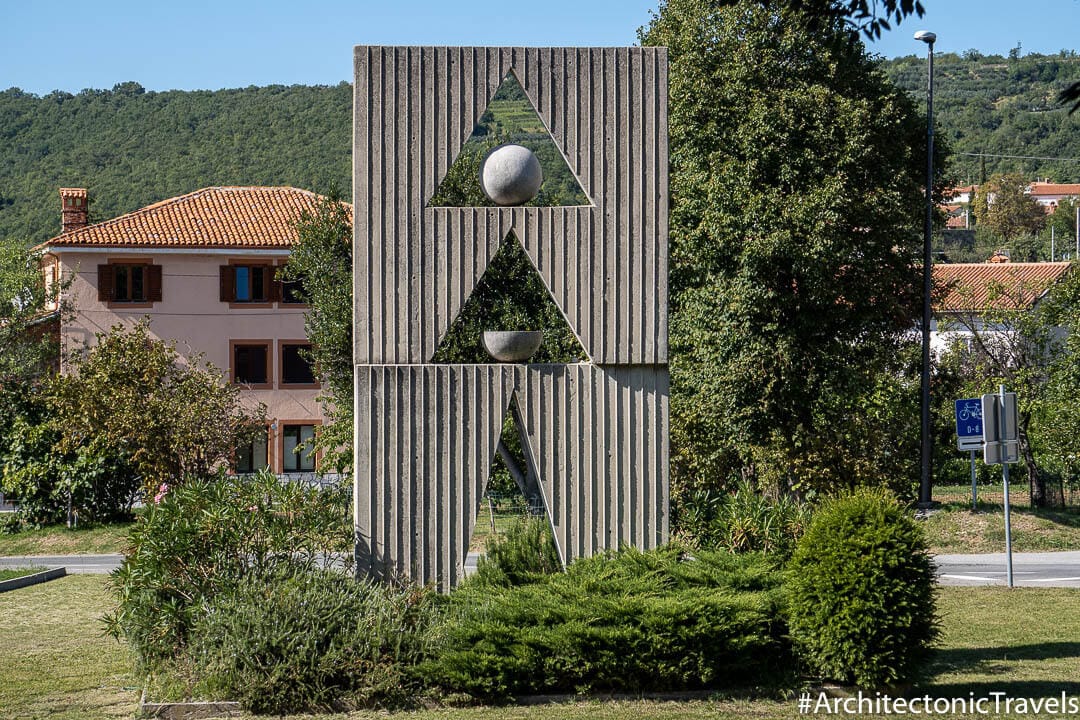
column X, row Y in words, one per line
column 796, row 185
column 29, row 350
column 1003, row 206
column 1056, row 419
column 29, row 346
column 321, row 262
column 1062, row 223
column 130, row 393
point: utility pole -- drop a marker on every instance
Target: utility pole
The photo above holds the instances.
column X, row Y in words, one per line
column 927, row 440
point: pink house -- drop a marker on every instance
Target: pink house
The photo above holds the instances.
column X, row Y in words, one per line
column 202, row 268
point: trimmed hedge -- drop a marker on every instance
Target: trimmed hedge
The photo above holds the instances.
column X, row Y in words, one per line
column 861, row 592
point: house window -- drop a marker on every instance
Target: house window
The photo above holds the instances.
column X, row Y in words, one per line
column 292, row 292
column 298, row 455
column 295, row 368
column 248, row 283
column 129, row 283
column 251, row 362
column 252, row 456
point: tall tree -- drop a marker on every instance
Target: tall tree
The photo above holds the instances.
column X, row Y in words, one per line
column 1003, row 205
column 796, row 184
column 1062, row 223
column 320, row 263
column 29, row 337
column 131, row 393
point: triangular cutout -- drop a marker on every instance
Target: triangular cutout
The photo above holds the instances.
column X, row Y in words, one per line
column 514, row 496
column 509, row 118
column 510, row 295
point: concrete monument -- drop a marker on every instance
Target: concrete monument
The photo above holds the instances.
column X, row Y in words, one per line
column 595, row 434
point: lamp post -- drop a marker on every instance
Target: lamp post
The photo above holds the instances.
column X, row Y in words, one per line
column 927, row 441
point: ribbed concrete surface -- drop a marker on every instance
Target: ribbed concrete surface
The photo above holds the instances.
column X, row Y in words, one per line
column 605, row 264
column 426, row 434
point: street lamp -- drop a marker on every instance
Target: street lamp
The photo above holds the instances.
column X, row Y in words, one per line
column 927, row 441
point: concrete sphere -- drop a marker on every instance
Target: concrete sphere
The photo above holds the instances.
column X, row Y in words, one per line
column 511, row 175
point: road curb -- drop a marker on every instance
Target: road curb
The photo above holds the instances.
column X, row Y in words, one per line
column 28, row 580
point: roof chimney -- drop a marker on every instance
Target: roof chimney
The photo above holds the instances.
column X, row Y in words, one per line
column 72, row 209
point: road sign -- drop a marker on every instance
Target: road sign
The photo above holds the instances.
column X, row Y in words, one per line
column 969, row 424
column 1001, row 440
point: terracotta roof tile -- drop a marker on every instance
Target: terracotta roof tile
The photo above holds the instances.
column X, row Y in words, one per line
column 1041, row 188
column 970, row 286
column 216, row 217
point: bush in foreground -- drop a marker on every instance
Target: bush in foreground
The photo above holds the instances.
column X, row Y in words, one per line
column 202, row 538
column 525, row 554
column 861, row 592
column 631, row 622
column 288, row 640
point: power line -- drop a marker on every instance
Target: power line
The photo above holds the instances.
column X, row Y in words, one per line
column 1019, row 157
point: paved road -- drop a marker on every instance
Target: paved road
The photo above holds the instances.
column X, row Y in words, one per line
column 75, row 564
column 1052, row 569
column 104, row 564
column 1057, row 569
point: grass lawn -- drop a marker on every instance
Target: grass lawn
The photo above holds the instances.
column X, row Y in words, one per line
column 54, row 662
column 58, row 540
column 954, row 528
column 12, row 573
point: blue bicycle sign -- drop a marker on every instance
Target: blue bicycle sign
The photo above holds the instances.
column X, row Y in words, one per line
column 969, row 424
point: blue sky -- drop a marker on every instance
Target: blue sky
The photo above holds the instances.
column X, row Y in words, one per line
column 201, row 44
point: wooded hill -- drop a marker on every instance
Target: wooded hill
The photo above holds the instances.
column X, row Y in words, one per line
column 1000, row 106
column 133, row 147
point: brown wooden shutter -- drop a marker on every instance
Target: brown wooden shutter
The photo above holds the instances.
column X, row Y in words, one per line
column 275, row 284
column 105, row 283
column 228, row 284
column 153, row 283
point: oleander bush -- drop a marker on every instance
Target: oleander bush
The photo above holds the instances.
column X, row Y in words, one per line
column 861, row 592
column 286, row 639
column 198, row 540
column 631, row 622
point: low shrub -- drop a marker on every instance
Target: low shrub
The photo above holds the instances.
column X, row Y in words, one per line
column 287, row 639
column 201, row 538
column 631, row 622
column 524, row 554
column 861, row 592
column 745, row 520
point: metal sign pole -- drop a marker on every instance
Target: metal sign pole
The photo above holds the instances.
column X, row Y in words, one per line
column 974, row 490
column 1005, row 482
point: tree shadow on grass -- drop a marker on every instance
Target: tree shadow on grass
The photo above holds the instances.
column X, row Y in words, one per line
column 997, row 661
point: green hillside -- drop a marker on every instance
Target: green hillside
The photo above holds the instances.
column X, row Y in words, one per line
column 1000, row 106
column 132, row 147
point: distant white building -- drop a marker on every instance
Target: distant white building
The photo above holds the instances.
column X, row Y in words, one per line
column 969, row 289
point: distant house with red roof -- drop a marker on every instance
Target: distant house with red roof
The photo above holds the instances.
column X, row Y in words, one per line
column 966, row 290
column 1050, row 194
column 202, row 268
